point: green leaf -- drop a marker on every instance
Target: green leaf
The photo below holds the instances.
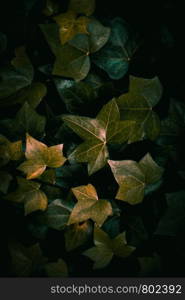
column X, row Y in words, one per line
column 39, row 156
column 115, row 57
column 97, row 133
column 26, row 120
column 25, row 260
column 86, row 7
column 77, row 235
column 72, row 59
column 56, row 216
column 173, row 221
column 9, row 151
column 89, row 206
column 16, row 76
column 134, row 177
column 71, row 25
column 105, row 248
column 29, row 193
column 137, row 104
column 57, row 269
column 174, row 124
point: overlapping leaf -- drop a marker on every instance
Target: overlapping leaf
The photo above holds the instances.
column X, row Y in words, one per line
column 26, row 120
column 97, row 133
column 115, row 57
column 71, row 25
column 29, row 193
column 9, row 151
column 89, row 206
column 77, row 234
column 72, row 59
column 133, row 177
column 105, row 248
column 137, row 105
column 39, row 156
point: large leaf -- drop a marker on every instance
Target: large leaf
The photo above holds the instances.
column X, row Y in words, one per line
column 133, row 177
column 72, row 59
column 115, row 57
column 26, row 120
column 29, row 193
column 39, row 156
column 137, row 105
column 105, row 248
column 97, row 133
column 89, row 206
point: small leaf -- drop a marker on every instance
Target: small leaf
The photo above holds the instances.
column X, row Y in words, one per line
column 134, row 177
column 29, row 194
column 89, row 206
column 137, row 104
column 57, row 269
column 115, row 57
column 6, row 178
column 105, row 248
column 39, row 156
column 9, row 151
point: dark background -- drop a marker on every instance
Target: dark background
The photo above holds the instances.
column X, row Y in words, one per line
column 19, row 21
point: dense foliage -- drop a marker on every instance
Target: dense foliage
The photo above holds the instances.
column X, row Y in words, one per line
column 92, row 122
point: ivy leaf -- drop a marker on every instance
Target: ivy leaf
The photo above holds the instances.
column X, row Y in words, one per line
column 173, row 220
column 25, row 260
column 77, row 235
column 26, row 120
column 3, row 42
column 82, row 97
column 51, row 8
column 137, row 105
column 6, row 178
column 105, row 248
column 97, row 133
column 174, row 124
column 17, row 75
column 9, row 151
column 134, row 177
column 70, row 25
column 39, row 156
column 29, row 193
column 85, row 7
column 57, row 269
column 89, row 206
column 72, row 59
column 115, row 57
column 56, row 216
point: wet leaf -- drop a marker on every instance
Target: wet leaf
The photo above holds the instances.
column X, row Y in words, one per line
column 137, row 104
column 89, row 206
column 105, row 248
column 134, row 177
column 97, row 133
